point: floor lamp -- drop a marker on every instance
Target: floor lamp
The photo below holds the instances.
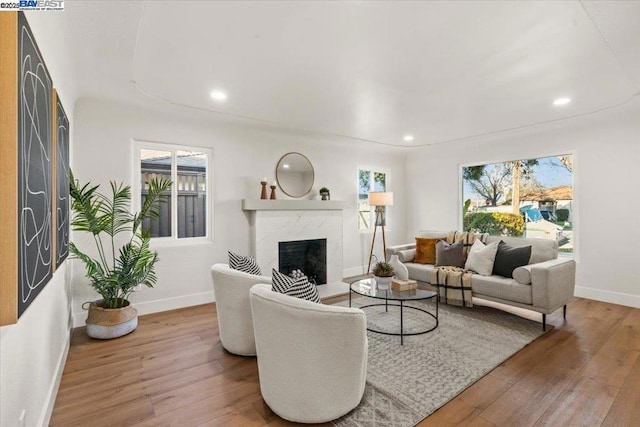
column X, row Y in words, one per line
column 379, row 199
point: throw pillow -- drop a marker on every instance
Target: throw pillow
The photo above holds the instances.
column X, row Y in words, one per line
column 481, row 258
column 425, row 250
column 508, row 258
column 299, row 288
column 450, row 255
column 467, row 239
column 242, row 263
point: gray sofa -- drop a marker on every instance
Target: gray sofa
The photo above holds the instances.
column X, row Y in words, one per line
column 545, row 285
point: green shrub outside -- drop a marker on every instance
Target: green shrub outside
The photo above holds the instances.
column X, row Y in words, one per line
column 494, row 223
column 562, row 215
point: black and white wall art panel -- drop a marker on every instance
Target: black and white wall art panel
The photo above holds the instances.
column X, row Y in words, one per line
column 34, row 169
column 62, row 183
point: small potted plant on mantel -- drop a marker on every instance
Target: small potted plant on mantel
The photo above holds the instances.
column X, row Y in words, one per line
column 383, row 274
column 325, row 194
column 114, row 274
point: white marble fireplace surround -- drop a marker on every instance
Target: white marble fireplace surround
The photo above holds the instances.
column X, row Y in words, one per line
column 274, row 221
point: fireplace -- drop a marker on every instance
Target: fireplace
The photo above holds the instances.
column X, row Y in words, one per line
column 275, row 221
column 309, row 256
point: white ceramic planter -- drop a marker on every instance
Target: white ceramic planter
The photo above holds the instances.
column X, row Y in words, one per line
column 383, row 282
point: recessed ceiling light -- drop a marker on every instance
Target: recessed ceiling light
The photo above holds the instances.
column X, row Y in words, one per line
column 286, row 166
column 218, row 95
column 408, row 138
column 561, row 101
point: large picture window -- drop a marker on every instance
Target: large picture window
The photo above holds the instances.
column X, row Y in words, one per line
column 368, row 180
column 528, row 197
column 185, row 211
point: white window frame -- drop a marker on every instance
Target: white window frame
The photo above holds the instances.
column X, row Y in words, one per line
column 372, row 211
column 173, row 240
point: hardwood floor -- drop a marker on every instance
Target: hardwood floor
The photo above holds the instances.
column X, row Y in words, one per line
column 173, row 371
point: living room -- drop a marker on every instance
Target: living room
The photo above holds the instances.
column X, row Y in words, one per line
column 103, row 59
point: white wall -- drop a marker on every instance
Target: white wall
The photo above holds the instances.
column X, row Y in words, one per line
column 33, row 351
column 242, row 156
column 606, row 178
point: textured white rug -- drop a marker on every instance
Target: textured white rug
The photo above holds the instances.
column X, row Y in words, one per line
column 407, row 383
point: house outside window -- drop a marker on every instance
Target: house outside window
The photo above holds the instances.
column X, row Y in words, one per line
column 185, row 210
column 369, row 179
column 527, row 197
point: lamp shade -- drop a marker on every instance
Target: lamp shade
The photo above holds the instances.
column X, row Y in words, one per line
column 381, row 198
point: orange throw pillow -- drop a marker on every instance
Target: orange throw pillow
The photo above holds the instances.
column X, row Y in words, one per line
column 426, row 250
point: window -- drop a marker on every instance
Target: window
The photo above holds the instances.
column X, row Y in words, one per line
column 368, row 180
column 185, row 211
column 528, row 197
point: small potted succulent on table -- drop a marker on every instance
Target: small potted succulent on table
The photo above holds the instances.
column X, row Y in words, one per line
column 383, row 274
column 324, row 192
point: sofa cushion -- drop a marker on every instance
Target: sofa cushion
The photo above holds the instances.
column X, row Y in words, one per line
column 541, row 249
column 502, row 288
column 425, row 250
column 481, row 258
column 299, row 288
column 246, row 264
column 406, row 255
column 509, row 258
column 449, row 254
column 420, row 272
column 523, row 275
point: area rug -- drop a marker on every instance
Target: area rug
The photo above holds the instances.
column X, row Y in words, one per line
column 407, row 383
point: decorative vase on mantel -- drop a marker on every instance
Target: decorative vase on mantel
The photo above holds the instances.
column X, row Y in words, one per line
column 401, row 270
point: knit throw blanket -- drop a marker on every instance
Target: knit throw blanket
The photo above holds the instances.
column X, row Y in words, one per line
column 454, row 285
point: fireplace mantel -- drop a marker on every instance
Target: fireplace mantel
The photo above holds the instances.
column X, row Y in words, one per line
column 292, row 205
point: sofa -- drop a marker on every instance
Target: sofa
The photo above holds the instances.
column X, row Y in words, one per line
column 546, row 284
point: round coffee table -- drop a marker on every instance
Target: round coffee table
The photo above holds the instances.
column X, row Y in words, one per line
column 368, row 288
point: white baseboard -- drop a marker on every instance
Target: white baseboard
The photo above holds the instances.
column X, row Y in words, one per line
column 156, row 306
column 608, row 296
column 47, row 410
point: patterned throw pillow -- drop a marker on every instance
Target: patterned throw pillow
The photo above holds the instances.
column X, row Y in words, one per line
column 245, row 264
column 299, row 288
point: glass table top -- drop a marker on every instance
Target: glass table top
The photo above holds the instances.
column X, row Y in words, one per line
column 369, row 288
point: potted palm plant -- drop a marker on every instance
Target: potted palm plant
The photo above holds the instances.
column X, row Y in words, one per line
column 124, row 259
column 383, row 274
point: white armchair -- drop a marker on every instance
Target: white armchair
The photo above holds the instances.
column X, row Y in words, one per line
column 231, row 289
column 312, row 358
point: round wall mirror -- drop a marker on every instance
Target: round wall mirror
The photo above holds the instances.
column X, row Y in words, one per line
column 295, row 175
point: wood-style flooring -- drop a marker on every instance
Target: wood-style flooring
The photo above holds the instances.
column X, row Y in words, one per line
column 172, row 371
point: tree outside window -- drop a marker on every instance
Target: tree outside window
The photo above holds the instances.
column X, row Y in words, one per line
column 527, row 197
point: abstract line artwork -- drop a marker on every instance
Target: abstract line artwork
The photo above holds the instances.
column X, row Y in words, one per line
column 34, row 169
column 62, row 183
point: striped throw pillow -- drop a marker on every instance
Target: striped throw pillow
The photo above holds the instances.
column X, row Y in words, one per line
column 299, row 288
column 245, row 264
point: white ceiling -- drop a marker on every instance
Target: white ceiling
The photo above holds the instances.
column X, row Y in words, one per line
column 375, row 71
